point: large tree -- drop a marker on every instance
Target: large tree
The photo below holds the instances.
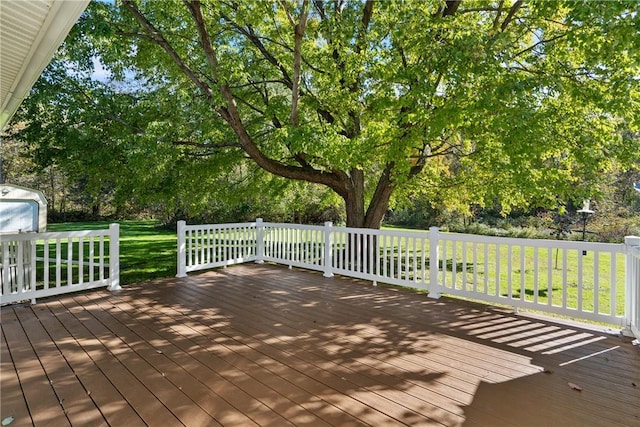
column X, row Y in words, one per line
column 511, row 99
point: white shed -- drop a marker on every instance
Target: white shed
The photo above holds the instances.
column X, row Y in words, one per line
column 22, row 209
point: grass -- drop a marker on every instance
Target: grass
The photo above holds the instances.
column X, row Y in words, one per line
column 147, row 251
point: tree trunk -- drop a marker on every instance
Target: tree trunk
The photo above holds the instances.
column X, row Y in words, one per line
column 357, row 217
column 95, row 208
column 354, row 199
column 380, row 200
column 360, row 247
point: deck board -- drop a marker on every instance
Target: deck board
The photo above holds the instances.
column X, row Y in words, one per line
column 44, row 406
column 115, row 409
column 12, row 399
column 266, row 345
column 70, row 392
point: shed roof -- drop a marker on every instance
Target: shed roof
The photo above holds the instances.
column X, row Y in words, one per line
column 16, row 192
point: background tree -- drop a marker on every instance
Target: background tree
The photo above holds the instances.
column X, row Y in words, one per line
column 514, row 102
column 98, row 147
column 364, row 97
column 69, row 131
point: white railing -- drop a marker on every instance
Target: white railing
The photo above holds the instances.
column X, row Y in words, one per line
column 576, row 279
column 215, row 245
column 633, row 284
column 293, row 245
column 38, row 265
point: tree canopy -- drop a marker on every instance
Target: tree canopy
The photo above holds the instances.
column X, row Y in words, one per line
column 524, row 102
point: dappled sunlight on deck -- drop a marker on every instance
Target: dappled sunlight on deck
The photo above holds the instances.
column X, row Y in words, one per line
column 265, row 345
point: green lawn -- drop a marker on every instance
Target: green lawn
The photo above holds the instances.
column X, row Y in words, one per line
column 146, row 250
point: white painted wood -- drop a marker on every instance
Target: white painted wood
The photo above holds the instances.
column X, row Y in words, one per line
column 632, row 285
column 114, row 257
column 74, row 269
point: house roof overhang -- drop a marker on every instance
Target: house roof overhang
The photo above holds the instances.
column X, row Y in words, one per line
column 30, row 33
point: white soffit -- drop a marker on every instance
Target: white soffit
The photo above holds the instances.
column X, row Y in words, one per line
column 30, row 33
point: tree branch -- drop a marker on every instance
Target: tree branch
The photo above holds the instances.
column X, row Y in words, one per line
column 533, row 46
column 250, row 34
column 159, row 39
column 255, row 84
column 286, row 10
column 511, row 14
column 451, row 8
column 319, row 5
column 367, row 12
column 250, row 106
column 479, row 9
column 232, row 116
column 297, row 54
column 213, row 146
column 496, row 20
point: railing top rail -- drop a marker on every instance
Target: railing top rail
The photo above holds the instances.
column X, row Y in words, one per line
column 54, row 235
column 200, row 227
column 516, row 241
column 544, row 243
column 352, row 230
column 293, row 226
column 384, row 232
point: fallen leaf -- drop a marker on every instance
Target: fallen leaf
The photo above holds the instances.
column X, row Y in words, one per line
column 548, row 371
column 575, row 386
column 7, row 421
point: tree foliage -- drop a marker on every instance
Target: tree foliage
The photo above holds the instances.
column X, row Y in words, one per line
column 520, row 102
column 107, row 148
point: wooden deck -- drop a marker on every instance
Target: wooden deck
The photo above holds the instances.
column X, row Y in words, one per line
column 264, row 345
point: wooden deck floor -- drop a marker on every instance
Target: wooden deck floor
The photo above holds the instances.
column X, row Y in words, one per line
column 264, row 345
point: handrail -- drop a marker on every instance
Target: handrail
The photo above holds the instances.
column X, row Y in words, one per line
column 37, row 265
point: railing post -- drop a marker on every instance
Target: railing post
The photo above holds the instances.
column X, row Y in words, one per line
column 259, row 241
column 632, row 286
column 5, row 270
column 182, row 249
column 328, row 249
column 434, row 261
column 32, row 268
column 114, row 257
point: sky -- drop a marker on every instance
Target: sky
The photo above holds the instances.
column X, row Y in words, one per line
column 99, row 73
